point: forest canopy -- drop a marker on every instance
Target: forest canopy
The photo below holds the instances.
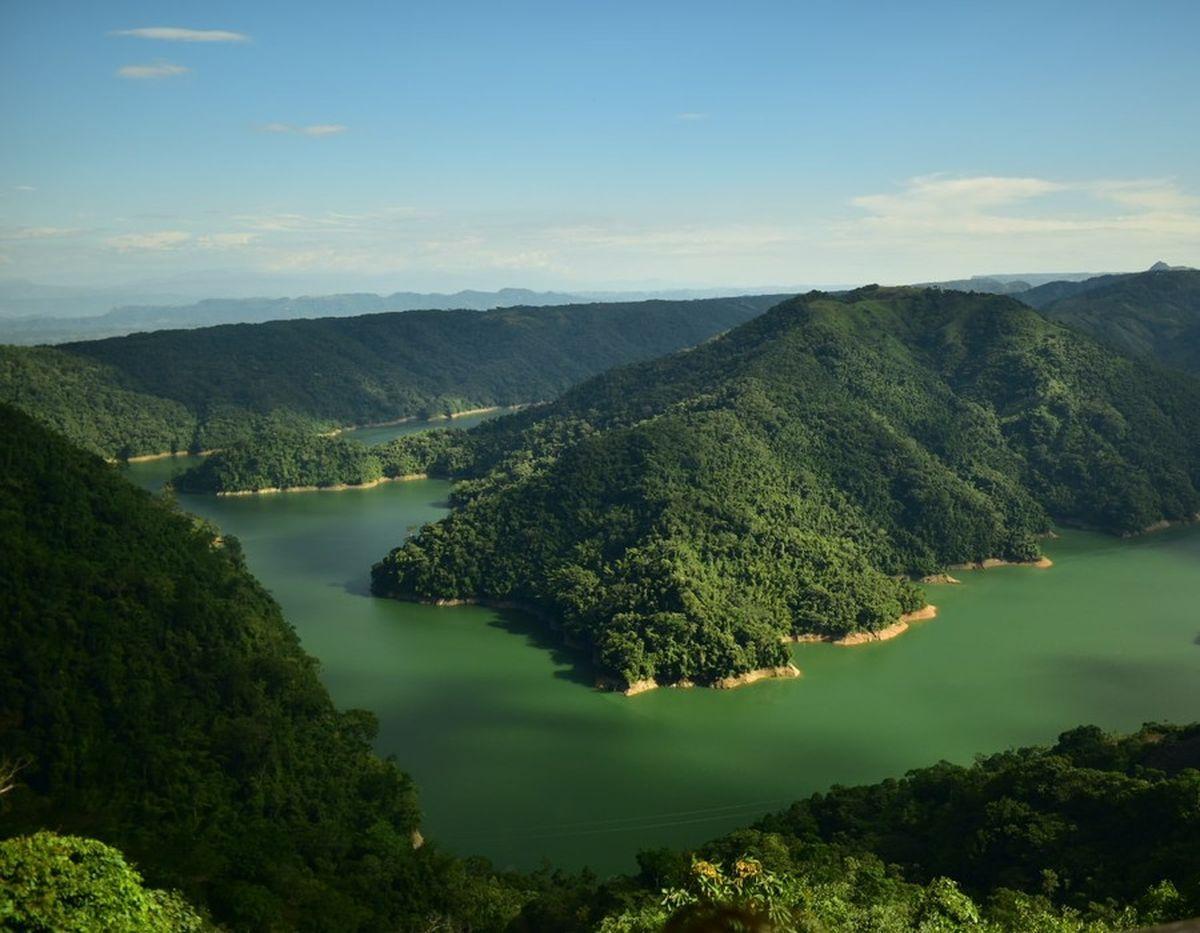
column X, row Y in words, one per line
column 210, row 387
column 681, row 517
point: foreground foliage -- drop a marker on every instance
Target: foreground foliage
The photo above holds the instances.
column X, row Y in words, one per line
column 148, row 393
column 1097, row 832
column 51, row 882
column 682, row 516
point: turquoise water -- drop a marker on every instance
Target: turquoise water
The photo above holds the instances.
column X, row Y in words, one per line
column 519, row 758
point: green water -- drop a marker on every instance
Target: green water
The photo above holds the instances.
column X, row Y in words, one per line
column 518, row 758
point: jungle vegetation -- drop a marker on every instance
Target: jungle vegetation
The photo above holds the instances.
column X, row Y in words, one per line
column 681, row 517
column 150, row 393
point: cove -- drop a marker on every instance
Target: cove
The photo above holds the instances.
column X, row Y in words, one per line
column 519, row 759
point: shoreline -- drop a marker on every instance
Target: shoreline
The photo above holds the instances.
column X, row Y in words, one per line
column 990, row 563
column 1163, row 524
column 609, row 684
column 784, row 671
column 896, row 629
column 146, row 458
column 409, row 419
column 339, row 487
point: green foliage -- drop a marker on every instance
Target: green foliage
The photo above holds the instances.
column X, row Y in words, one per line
column 680, row 517
column 1155, row 315
column 148, row 393
column 92, row 403
column 288, row 459
column 167, row 708
column 64, row 883
column 943, row 849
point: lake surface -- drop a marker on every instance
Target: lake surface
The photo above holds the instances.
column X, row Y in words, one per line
column 519, row 759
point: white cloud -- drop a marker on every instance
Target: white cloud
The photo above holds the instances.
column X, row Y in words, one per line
column 938, row 205
column 226, row 240
column 323, row 129
column 179, row 34
column 316, row 129
column 24, row 188
column 39, row 233
column 152, row 242
column 691, row 116
column 150, row 72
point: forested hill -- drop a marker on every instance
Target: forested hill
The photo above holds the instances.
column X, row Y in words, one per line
column 153, row 698
column 683, row 515
column 158, row 701
column 1153, row 314
column 152, row 392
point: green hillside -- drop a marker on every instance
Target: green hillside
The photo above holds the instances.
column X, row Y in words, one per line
column 153, row 697
column 1155, row 315
column 153, row 392
column 679, row 518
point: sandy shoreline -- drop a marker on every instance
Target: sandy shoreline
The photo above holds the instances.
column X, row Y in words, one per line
column 899, row 627
column 146, row 458
column 611, row 684
column 409, row 419
column 988, row 563
column 339, row 487
column 725, row 683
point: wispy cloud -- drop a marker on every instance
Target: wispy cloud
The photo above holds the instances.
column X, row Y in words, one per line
column 156, row 241
column 39, row 233
column 152, row 72
column 24, row 188
column 316, row 129
column 691, row 116
column 179, row 34
column 1014, row 206
column 226, row 240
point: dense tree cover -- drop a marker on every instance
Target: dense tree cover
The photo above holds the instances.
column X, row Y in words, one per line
column 161, row 704
column 682, row 515
column 59, row 883
column 1154, row 314
column 91, row 403
column 289, row 459
column 152, row 697
column 148, row 393
column 1095, row 833
column 96, row 406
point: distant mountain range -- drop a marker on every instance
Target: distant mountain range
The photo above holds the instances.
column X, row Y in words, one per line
column 174, row 316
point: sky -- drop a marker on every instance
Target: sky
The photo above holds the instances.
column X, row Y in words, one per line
column 593, row 145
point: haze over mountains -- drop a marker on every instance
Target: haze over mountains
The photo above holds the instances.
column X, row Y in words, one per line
column 35, row 314
column 31, row 313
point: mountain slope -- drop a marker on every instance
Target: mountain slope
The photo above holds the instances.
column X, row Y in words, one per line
column 339, row 371
column 1152, row 314
column 680, row 517
column 162, row 704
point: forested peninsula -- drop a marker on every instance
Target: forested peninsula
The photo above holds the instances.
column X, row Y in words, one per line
column 180, row 390
column 278, row 461
column 681, row 518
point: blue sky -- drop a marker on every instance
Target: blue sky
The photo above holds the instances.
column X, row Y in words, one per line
column 594, row 145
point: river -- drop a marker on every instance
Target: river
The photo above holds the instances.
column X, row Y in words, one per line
column 518, row 758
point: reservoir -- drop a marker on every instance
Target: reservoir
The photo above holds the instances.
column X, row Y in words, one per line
column 518, row 758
